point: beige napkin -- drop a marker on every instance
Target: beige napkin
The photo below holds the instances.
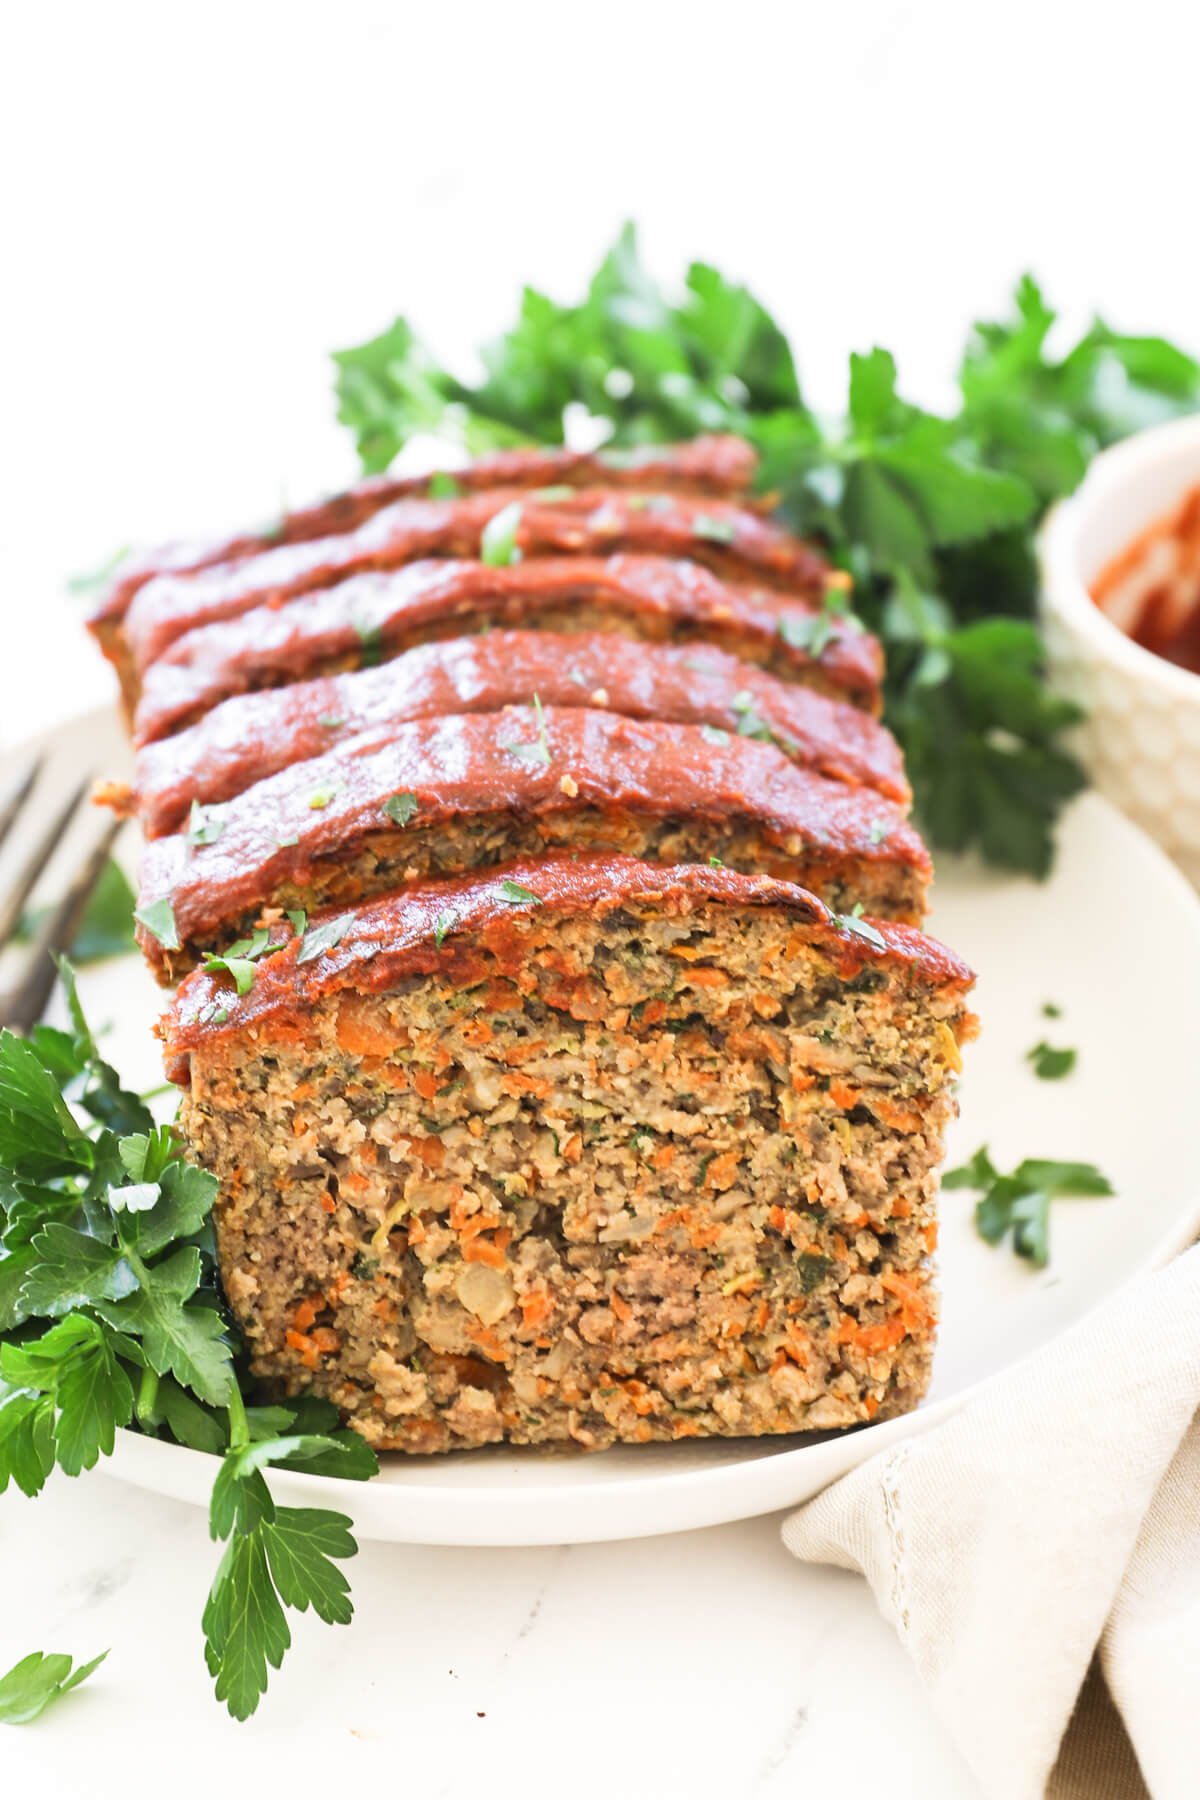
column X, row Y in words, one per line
column 1039, row 1555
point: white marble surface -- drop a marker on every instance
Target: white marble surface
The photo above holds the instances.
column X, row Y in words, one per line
column 206, row 202
column 698, row 1665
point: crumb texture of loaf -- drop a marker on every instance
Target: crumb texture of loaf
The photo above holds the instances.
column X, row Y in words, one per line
column 476, row 790
column 651, row 1154
column 371, row 618
column 255, row 735
column 719, row 534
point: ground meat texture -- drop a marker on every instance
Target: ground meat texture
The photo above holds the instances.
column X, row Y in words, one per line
column 474, row 791
column 652, row 1156
column 253, row 736
column 370, row 618
column 725, row 537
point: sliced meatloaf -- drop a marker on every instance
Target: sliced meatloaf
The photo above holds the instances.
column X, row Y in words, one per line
column 252, row 736
column 445, row 796
column 549, row 522
column 717, row 467
column 594, row 1152
column 369, row 618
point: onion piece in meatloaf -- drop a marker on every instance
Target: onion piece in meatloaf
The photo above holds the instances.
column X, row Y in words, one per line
column 252, row 736
column 650, row 1153
column 717, row 466
column 441, row 797
column 369, row 618
column 549, row 522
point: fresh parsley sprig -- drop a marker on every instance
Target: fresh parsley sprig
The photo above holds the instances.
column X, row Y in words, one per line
column 111, row 1315
column 1019, row 1204
column 932, row 515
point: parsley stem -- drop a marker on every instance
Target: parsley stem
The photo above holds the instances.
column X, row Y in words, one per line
column 239, row 1424
column 147, row 1399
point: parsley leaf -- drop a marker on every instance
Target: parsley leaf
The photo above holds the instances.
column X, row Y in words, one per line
column 538, row 750
column 159, row 919
column 401, row 808
column 498, row 543
column 1020, row 1203
column 37, row 1680
column 1050, row 1064
column 205, row 824
column 516, row 895
column 319, row 938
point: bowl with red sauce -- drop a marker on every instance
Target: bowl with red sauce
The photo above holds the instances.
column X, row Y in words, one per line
column 1121, row 609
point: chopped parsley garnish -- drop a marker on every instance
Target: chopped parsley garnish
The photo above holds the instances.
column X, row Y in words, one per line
column 287, row 843
column 370, row 640
column 560, row 492
column 714, row 862
column 330, row 722
column 1020, row 1203
column 205, row 823
column 717, row 531
column 814, row 632
column 443, row 487
column 441, row 925
column 498, row 543
column 400, row 808
column 857, row 926
column 323, row 937
column 750, row 722
column 37, row 1680
column 577, row 676
column 298, row 919
column 159, row 920
column 320, row 797
column 238, row 961
column 1050, row 1064
column 879, row 830
column 1050, row 1010
column 516, row 895
column 538, row 749
column 713, row 734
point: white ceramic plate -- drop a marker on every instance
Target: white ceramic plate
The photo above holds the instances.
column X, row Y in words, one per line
column 1113, row 939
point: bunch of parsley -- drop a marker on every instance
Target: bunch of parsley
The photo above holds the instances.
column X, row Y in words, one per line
column 111, row 1315
column 932, row 515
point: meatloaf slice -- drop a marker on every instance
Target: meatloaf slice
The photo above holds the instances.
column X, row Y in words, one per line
column 252, row 736
column 597, row 1152
column 440, row 797
column 549, row 522
column 716, row 466
column 369, row 618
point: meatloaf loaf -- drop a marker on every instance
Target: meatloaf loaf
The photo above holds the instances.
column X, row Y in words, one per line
column 717, row 467
column 247, row 738
column 467, row 792
column 727, row 538
column 369, row 618
column 592, row 1151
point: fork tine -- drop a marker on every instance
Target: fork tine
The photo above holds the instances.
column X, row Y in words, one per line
column 13, row 902
column 23, row 1007
column 17, row 794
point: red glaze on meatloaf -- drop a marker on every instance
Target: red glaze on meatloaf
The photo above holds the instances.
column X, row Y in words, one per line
column 713, row 466
column 252, row 736
column 434, row 798
column 371, row 617
column 590, row 521
column 384, row 941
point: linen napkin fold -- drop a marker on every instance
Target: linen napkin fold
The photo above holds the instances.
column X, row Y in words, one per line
column 1039, row 1555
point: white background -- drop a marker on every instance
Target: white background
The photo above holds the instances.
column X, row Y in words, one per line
column 198, row 203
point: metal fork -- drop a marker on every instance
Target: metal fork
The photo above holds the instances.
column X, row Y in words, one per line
column 23, row 1004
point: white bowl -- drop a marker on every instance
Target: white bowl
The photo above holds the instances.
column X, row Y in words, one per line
column 1141, row 740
